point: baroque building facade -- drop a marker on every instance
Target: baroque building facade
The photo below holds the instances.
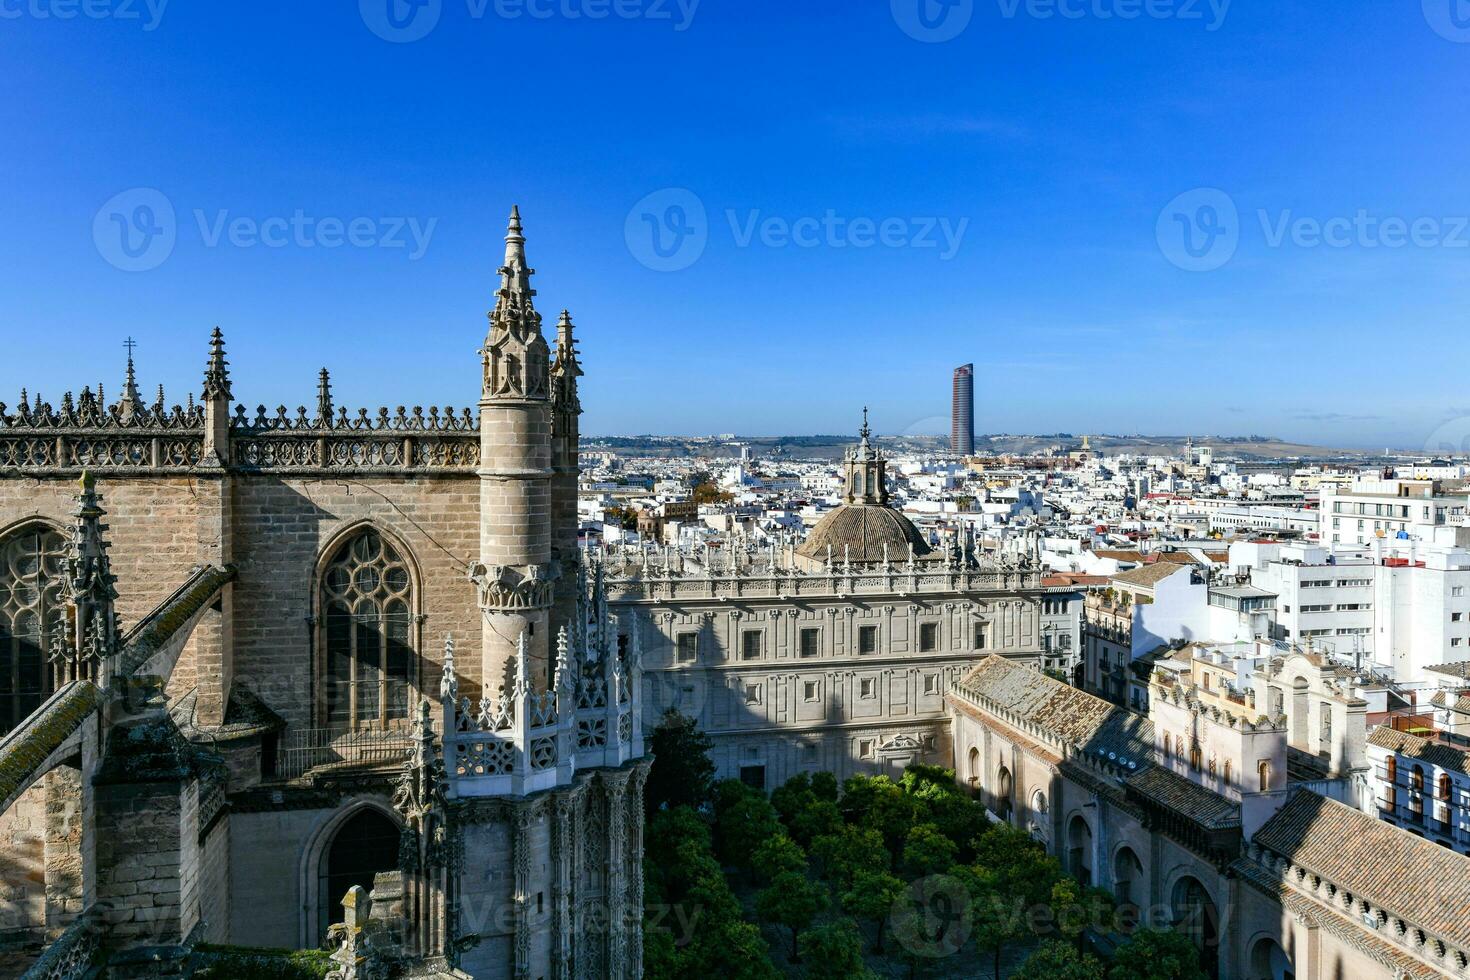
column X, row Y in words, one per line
column 835, row 655
column 240, row 698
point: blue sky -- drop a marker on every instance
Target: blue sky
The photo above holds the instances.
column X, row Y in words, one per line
column 876, row 207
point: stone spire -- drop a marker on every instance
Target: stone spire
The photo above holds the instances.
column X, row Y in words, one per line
column 91, row 591
column 130, row 403
column 566, row 409
column 515, row 572
column 567, row 368
column 217, row 395
column 324, row 398
column 216, row 373
column 516, row 358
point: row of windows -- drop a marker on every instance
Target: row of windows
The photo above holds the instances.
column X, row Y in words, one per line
column 809, row 642
column 1328, row 607
column 811, row 690
column 1342, row 583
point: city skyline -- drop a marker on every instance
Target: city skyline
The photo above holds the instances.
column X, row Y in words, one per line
column 1014, row 178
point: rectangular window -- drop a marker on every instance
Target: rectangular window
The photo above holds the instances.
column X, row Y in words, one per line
column 979, row 636
column 928, row 637
column 753, row 776
column 688, row 648
column 931, row 683
column 811, row 642
column 750, row 645
column 867, row 688
column 867, row 639
column 752, row 694
column 1456, row 617
column 1457, row 591
column 811, row 691
column 865, row 748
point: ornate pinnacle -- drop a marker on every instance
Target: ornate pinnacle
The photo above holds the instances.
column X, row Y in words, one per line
column 216, row 373
column 449, row 684
column 324, row 397
column 563, row 645
column 130, row 402
column 515, row 275
column 523, row 653
column 864, row 432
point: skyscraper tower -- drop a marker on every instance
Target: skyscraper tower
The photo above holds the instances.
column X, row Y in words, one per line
column 962, row 414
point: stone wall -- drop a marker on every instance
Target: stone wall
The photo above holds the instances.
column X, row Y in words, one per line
column 282, row 528
column 141, row 859
column 23, row 859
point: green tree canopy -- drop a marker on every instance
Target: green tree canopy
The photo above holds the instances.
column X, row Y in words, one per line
column 682, row 773
column 850, row 850
column 927, row 852
column 1156, row 954
column 833, row 952
column 777, row 855
column 871, row 898
column 1058, row 960
column 792, row 900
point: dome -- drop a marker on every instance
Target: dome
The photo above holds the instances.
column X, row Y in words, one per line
column 863, row 530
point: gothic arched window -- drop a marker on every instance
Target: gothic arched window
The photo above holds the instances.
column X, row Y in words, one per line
column 32, row 570
column 367, row 634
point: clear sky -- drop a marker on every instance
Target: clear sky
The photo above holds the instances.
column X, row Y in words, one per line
column 762, row 214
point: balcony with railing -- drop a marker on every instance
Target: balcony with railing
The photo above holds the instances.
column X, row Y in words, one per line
column 319, row 751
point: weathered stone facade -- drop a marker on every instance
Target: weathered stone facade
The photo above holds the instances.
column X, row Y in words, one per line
column 285, row 584
column 836, row 656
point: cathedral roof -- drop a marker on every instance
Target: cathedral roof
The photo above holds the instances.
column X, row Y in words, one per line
column 858, row 532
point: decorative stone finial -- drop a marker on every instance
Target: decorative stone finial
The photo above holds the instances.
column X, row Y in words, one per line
column 216, row 373
column 324, row 398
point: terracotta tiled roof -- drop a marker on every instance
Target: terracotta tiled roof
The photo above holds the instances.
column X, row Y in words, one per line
column 1413, row 747
column 1067, row 715
column 1206, row 808
column 1406, row 876
column 1072, row 579
column 1148, row 575
column 1461, row 669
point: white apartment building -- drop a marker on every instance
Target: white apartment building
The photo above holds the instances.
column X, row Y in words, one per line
column 1382, row 509
column 1401, row 606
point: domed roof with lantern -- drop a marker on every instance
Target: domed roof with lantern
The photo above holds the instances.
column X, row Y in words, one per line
column 864, row 528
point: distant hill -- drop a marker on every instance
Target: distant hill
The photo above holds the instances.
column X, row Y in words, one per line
column 832, row 447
